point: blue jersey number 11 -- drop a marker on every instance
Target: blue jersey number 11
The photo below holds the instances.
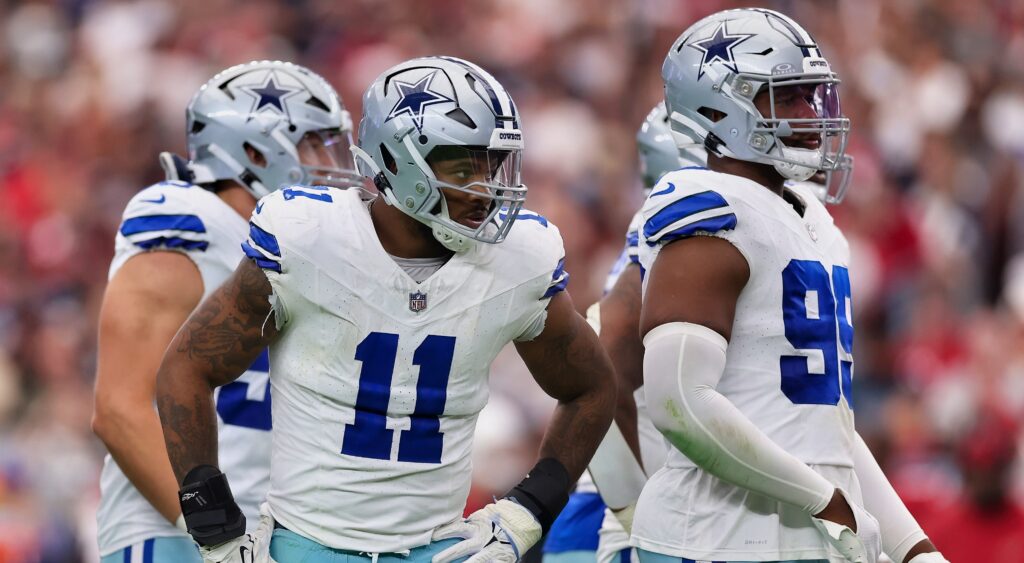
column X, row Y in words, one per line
column 368, row 436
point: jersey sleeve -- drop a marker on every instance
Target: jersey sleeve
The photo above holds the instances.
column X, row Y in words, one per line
column 633, row 239
column 672, row 214
column 158, row 217
column 541, row 259
column 168, row 216
column 282, row 232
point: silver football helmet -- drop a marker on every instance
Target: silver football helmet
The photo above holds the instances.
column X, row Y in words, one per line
column 658, row 150
column 287, row 113
column 432, row 109
column 721, row 63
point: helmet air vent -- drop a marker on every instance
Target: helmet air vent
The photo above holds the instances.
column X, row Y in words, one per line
column 318, row 103
column 462, row 117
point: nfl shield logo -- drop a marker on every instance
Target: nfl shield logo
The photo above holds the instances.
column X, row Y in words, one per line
column 417, row 301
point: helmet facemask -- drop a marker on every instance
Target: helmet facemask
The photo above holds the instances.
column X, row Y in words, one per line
column 482, row 185
column 774, row 138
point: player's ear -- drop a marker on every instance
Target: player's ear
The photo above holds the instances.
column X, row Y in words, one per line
column 255, row 156
column 712, row 114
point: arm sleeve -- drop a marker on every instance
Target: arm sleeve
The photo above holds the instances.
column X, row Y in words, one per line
column 900, row 531
column 683, row 363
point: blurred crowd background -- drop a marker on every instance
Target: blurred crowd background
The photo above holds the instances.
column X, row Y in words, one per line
column 91, row 90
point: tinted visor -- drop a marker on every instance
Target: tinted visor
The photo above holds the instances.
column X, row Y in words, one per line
column 326, row 158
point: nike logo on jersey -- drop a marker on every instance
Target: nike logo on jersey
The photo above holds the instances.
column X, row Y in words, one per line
column 259, row 207
column 161, row 199
column 671, row 188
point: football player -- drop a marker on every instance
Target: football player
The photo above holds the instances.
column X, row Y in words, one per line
column 746, row 316
column 586, row 530
column 251, row 129
column 383, row 318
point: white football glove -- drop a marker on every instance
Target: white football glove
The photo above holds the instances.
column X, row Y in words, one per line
column 500, row 532
column 864, row 546
column 931, row 557
column 247, row 548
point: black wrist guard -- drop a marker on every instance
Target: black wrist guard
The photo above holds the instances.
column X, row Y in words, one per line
column 211, row 513
column 544, row 491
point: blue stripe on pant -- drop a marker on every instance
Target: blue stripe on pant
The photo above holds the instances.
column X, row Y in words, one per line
column 288, row 547
column 653, row 557
column 157, row 550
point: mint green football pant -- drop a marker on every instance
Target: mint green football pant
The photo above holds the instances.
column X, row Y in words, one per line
column 289, row 547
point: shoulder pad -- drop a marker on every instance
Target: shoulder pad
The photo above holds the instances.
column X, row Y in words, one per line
column 539, row 241
column 167, row 215
column 281, row 211
column 679, row 208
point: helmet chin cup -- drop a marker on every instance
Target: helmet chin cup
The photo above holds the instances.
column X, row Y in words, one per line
column 809, row 161
column 448, row 237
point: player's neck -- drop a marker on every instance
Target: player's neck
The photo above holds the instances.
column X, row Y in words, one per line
column 763, row 174
column 237, row 198
column 403, row 236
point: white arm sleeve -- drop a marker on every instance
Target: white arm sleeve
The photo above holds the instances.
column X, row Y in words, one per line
column 616, row 472
column 900, row 531
column 683, row 363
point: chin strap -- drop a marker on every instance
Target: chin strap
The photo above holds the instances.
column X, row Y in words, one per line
column 175, row 168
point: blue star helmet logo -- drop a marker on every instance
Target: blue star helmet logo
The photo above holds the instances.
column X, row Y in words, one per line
column 270, row 94
column 415, row 98
column 718, row 48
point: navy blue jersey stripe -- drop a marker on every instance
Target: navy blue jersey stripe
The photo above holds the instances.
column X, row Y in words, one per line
column 147, row 223
column 261, row 260
column 552, row 290
column 172, row 242
column 681, row 209
column 712, row 225
column 262, row 362
column 147, row 551
column 265, row 240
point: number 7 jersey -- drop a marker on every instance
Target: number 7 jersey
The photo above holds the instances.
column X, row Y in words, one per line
column 788, row 364
column 377, row 379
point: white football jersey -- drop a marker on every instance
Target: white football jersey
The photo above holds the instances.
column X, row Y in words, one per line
column 377, row 379
column 788, row 365
column 180, row 217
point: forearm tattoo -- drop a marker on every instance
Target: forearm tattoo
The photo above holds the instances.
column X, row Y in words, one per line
column 220, row 340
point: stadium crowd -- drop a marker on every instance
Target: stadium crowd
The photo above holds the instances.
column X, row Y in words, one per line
column 92, row 90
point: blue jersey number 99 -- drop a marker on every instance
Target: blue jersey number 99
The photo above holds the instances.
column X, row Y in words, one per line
column 817, row 321
column 236, row 409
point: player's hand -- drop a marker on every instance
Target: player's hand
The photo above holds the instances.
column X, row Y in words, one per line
column 499, row 532
column 248, row 548
column 862, row 546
